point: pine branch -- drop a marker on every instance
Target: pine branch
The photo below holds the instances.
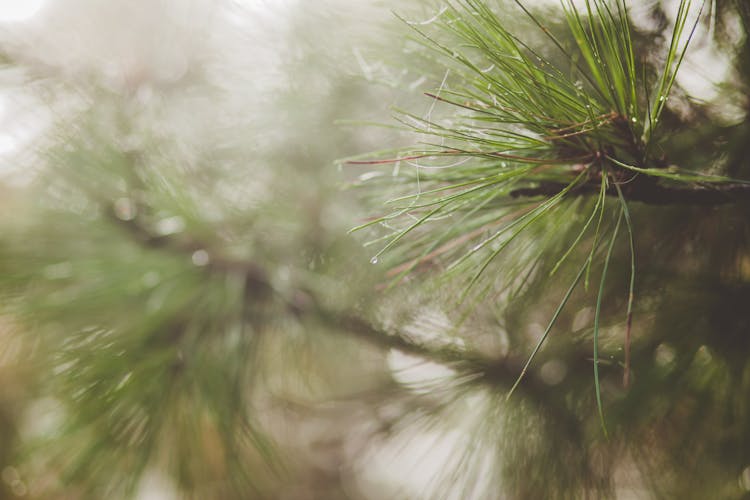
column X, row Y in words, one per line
column 647, row 191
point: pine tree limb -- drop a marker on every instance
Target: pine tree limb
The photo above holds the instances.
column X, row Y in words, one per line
column 650, row 192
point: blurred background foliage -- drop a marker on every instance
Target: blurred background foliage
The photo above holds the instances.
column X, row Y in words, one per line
column 185, row 315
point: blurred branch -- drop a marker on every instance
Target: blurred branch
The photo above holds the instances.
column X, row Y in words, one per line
column 472, row 365
column 257, row 280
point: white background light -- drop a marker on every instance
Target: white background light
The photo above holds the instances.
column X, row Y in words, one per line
column 19, row 10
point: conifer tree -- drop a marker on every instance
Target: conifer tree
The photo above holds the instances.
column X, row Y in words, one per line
column 545, row 297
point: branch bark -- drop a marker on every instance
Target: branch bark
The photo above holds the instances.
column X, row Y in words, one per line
column 647, row 190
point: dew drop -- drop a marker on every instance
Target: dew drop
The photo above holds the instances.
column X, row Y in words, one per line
column 125, row 209
column 634, row 119
column 553, row 372
column 200, row 258
column 664, row 355
column 374, row 260
column 170, row 225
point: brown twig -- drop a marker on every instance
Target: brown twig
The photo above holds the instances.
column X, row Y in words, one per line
column 647, row 191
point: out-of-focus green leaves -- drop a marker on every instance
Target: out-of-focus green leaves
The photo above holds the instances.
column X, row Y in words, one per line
column 163, row 288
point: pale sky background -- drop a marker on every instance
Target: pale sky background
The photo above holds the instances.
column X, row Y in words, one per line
column 60, row 34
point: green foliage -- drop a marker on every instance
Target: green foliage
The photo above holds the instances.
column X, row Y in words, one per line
column 492, row 198
column 531, row 122
column 557, row 308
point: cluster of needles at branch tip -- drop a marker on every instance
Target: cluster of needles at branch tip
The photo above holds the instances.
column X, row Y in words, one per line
column 529, row 136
